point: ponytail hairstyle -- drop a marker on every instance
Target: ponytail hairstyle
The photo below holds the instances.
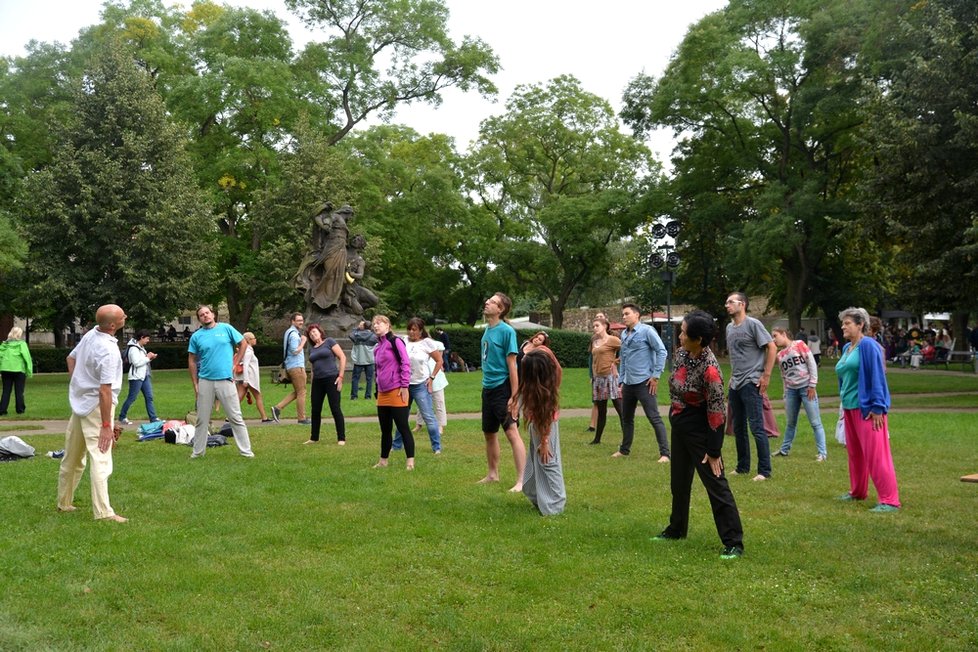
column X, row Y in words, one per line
column 389, row 336
column 418, row 323
column 539, row 391
column 604, row 322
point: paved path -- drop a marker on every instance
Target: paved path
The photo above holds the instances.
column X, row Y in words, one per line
column 58, row 426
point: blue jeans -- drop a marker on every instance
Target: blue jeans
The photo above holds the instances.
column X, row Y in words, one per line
column 421, row 394
column 793, row 399
column 362, row 369
column 746, row 406
column 135, row 387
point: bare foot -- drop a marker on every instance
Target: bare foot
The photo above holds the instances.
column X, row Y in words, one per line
column 759, row 478
column 488, row 479
column 618, row 454
column 664, row 459
column 311, row 441
column 410, row 464
column 115, row 518
column 341, row 442
column 69, row 508
column 516, row 488
column 382, row 464
column 417, row 428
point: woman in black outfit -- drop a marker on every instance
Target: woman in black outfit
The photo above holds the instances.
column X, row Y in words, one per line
column 328, row 363
column 697, row 417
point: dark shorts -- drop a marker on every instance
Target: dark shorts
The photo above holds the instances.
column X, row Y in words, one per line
column 494, row 408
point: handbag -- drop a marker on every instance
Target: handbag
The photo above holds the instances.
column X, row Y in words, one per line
column 840, row 428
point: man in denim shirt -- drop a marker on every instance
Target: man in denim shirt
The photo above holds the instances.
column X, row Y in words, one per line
column 294, row 345
column 643, row 357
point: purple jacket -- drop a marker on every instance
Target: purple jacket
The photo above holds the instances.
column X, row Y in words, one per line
column 389, row 374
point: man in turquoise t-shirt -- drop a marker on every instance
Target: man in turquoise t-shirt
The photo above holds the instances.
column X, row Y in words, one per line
column 213, row 351
column 499, row 386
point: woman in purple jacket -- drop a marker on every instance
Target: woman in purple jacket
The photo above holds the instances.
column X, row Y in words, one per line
column 393, row 375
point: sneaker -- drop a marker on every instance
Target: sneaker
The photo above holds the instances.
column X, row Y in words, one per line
column 276, row 413
column 759, row 478
column 268, row 420
column 781, row 453
column 304, row 422
column 882, row 508
column 590, row 429
column 156, row 420
column 594, row 442
column 847, row 498
column 732, row 552
column 820, row 458
column 665, row 536
column 125, row 422
column 57, row 455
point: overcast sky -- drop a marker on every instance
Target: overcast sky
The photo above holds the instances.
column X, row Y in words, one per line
column 604, row 44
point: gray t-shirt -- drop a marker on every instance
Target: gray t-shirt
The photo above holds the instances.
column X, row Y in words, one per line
column 747, row 345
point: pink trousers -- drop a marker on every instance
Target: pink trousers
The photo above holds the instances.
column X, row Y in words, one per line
column 870, row 457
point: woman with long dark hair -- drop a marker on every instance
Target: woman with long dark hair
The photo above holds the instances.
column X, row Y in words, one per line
column 328, row 364
column 393, row 377
column 539, row 395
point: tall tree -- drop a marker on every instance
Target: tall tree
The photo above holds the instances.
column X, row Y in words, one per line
column 116, row 216
column 562, row 180
column 380, row 54
column 767, row 107
column 429, row 242
column 925, row 134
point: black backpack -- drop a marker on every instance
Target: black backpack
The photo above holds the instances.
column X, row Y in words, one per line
column 126, row 364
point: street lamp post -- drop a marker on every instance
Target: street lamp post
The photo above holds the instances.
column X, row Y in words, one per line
column 665, row 254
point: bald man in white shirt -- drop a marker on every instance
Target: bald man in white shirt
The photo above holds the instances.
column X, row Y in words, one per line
column 95, row 369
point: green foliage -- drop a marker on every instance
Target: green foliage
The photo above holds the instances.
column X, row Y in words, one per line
column 379, row 54
column 769, row 152
column 925, row 136
column 561, row 179
column 426, row 240
column 116, row 217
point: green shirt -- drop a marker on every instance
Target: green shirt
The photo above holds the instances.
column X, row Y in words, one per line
column 498, row 343
column 847, row 369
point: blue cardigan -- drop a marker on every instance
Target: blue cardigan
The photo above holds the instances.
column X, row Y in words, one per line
column 874, row 395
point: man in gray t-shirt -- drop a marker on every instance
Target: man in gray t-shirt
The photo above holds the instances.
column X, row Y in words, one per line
column 752, row 354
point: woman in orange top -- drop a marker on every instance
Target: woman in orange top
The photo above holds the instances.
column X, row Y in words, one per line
column 604, row 374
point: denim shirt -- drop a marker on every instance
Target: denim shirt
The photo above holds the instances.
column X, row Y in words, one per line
column 289, row 343
column 643, row 355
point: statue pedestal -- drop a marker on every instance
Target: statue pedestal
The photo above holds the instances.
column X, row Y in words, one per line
column 336, row 323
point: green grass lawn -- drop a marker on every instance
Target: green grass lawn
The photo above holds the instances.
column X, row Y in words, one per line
column 307, row 547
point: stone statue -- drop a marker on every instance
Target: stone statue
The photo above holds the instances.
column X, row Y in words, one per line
column 330, row 274
column 356, row 297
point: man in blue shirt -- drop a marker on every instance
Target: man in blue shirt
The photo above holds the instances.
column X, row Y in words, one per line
column 294, row 348
column 643, row 357
column 211, row 357
column 499, row 386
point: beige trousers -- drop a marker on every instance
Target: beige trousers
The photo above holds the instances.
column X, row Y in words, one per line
column 298, row 393
column 81, row 437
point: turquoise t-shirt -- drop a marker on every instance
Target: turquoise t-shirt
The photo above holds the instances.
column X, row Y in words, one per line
column 498, row 342
column 847, row 369
column 214, row 348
